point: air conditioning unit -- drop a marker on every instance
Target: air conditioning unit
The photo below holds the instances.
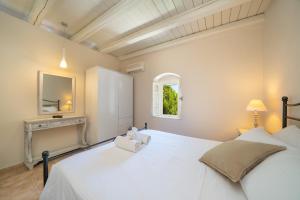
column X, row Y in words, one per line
column 136, row 67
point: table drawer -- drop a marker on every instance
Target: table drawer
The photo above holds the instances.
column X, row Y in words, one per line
column 40, row 126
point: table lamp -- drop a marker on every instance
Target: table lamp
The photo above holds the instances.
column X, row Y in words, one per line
column 69, row 103
column 256, row 106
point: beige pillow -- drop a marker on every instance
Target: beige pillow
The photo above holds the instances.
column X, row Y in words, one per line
column 234, row 159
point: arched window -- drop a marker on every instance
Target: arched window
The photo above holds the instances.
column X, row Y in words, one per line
column 167, row 96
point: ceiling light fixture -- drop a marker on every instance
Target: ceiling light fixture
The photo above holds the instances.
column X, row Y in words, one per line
column 63, row 63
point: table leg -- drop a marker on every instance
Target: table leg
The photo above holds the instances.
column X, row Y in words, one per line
column 83, row 135
column 28, row 149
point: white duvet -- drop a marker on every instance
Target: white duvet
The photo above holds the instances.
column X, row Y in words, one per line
column 165, row 169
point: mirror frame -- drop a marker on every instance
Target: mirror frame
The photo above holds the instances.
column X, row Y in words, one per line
column 40, row 92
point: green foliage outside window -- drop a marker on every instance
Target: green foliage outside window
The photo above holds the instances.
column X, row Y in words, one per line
column 170, row 100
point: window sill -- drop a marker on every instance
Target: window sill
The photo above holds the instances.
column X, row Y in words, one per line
column 167, row 116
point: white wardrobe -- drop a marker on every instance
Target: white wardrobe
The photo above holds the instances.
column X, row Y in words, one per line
column 109, row 104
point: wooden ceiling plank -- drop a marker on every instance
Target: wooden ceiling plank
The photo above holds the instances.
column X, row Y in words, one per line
column 170, row 6
column 161, row 8
column 189, row 4
column 255, row 4
column 217, row 19
column 241, row 23
column 195, row 26
column 165, row 13
column 39, row 11
column 201, row 23
column 235, row 11
column 209, row 21
column 210, row 8
column 265, row 4
column 98, row 23
column 225, row 16
column 197, row 2
column 244, row 10
column 179, row 5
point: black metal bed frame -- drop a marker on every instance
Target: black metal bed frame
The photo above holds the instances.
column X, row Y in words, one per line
column 52, row 103
column 285, row 117
column 285, row 106
column 45, row 156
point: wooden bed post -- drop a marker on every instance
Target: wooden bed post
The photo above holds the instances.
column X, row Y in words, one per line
column 45, row 156
column 284, row 111
column 146, row 125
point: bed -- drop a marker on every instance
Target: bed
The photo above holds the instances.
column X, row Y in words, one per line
column 168, row 168
column 50, row 105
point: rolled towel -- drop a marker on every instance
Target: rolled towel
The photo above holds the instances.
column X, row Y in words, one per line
column 131, row 134
column 134, row 129
column 135, row 134
column 145, row 139
column 127, row 144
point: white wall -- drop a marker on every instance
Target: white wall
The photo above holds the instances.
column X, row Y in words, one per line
column 220, row 74
column 281, row 59
column 24, row 50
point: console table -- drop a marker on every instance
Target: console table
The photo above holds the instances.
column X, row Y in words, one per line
column 30, row 126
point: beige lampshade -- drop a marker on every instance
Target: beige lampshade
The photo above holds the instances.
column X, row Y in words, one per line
column 256, row 105
column 69, row 102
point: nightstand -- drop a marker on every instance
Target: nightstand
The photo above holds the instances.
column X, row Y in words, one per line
column 242, row 130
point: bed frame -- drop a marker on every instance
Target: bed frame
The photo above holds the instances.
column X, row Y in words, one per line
column 285, row 106
column 47, row 102
column 285, row 117
column 45, row 156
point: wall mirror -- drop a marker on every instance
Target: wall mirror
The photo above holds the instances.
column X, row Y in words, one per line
column 56, row 93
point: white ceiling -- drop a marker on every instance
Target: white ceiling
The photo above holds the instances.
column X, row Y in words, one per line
column 126, row 28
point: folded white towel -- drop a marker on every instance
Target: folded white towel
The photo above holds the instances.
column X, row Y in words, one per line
column 145, row 139
column 135, row 134
column 131, row 134
column 127, row 144
column 134, row 129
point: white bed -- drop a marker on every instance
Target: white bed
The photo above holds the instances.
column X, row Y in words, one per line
column 165, row 169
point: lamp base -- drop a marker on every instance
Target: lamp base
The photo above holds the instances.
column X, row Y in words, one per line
column 255, row 119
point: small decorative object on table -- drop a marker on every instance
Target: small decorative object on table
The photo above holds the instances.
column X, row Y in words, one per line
column 255, row 106
column 57, row 116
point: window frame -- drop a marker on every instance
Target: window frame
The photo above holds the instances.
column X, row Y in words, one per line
column 157, row 93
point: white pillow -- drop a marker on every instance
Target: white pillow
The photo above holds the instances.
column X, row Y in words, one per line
column 276, row 178
column 260, row 135
column 289, row 135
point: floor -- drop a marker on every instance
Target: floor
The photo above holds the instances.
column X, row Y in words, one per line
column 19, row 183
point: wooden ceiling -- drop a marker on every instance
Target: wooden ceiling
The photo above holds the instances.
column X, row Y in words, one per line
column 128, row 28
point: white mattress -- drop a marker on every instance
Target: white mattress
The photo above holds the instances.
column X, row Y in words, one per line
column 166, row 169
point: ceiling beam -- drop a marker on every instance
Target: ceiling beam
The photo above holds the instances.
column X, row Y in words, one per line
column 39, row 11
column 200, row 11
column 238, row 24
column 98, row 23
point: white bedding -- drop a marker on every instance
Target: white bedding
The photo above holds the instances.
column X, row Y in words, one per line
column 165, row 169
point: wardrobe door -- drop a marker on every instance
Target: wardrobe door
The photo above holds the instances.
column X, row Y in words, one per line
column 125, row 93
column 108, row 104
column 91, row 105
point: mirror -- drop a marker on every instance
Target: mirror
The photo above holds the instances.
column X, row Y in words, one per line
column 56, row 93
